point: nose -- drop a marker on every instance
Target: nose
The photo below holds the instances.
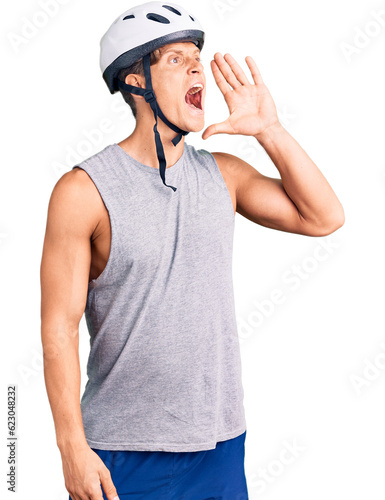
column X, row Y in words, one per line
column 196, row 66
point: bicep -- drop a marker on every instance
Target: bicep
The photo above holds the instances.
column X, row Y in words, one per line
column 66, row 257
column 263, row 200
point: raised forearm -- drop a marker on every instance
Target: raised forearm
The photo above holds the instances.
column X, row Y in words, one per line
column 62, row 378
column 302, row 180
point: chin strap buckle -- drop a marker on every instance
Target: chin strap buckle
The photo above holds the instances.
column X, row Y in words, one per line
column 149, row 96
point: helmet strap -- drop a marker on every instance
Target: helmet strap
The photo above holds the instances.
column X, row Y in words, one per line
column 150, row 97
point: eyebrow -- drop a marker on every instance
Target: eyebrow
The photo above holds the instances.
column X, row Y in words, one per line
column 177, row 51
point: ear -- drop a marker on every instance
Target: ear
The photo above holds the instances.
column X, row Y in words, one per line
column 136, row 81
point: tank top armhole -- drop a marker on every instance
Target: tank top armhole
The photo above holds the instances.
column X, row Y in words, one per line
column 102, row 276
column 220, row 178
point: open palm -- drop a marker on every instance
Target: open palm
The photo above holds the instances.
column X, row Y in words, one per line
column 251, row 107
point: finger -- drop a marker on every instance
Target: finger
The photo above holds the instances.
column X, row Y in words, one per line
column 217, row 128
column 107, row 484
column 226, row 70
column 96, row 495
column 237, row 70
column 220, row 80
column 254, row 70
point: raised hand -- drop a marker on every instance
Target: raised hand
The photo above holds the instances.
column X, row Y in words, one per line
column 252, row 109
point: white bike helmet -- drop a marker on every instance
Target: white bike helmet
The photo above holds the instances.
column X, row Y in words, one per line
column 134, row 35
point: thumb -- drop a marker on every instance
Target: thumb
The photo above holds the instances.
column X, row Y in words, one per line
column 216, row 128
column 108, row 486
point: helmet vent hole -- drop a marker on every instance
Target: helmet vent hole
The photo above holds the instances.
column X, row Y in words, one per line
column 131, row 16
column 157, row 18
column 192, row 19
column 172, row 9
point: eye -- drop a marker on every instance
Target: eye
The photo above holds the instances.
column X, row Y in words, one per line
column 173, row 59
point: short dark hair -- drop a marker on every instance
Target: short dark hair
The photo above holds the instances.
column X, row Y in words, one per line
column 137, row 69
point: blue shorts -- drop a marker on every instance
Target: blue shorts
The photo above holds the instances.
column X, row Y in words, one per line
column 216, row 474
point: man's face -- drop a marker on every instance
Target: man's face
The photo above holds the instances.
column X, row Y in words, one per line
column 178, row 69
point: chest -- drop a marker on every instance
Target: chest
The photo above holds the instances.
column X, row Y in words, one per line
column 144, row 234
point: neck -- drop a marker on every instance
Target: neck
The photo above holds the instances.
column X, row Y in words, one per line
column 141, row 143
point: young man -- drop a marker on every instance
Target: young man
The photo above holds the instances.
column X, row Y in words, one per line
column 162, row 413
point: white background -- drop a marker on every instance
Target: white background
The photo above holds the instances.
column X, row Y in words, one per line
column 299, row 357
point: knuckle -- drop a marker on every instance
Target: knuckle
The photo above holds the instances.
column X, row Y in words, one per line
column 89, row 488
column 105, row 473
column 110, row 490
column 93, row 491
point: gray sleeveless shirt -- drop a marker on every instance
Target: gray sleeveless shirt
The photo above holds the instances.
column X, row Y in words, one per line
column 164, row 368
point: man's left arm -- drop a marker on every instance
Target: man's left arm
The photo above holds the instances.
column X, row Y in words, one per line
column 301, row 201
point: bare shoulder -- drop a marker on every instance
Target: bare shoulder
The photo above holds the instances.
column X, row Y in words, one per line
column 232, row 165
column 75, row 201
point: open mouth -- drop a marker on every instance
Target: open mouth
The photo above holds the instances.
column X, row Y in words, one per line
column 193, row 96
